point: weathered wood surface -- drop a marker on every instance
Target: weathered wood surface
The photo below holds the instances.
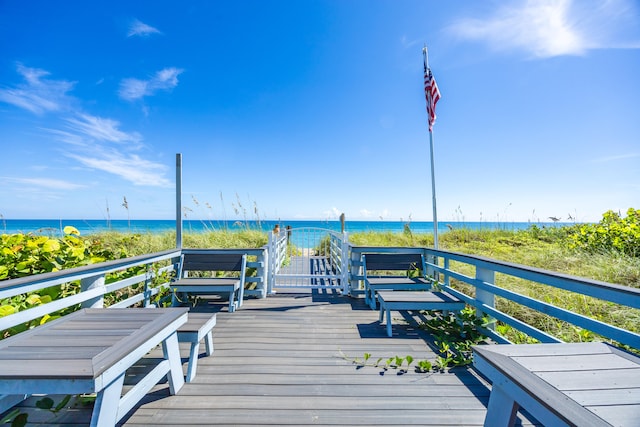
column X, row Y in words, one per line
column 82, row 345
column 566, row 382
column 281, row 361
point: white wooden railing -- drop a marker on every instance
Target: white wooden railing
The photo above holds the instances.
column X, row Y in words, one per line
column 446, row 266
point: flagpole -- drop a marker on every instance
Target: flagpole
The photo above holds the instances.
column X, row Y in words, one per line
column 433, row 174
column 433, row 193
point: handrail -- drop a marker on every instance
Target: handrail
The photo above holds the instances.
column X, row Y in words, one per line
column 21, row 285
column 92, row 282
column 439, row 262
column 93, row 287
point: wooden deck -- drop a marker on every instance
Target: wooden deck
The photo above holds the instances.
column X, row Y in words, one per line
column 279, row 361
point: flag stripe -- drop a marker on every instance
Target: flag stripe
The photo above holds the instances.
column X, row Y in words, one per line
column 432, row 93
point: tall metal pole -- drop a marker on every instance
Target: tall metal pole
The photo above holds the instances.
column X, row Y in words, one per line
column 179, row 201
column 425, row 56
column 433, row 193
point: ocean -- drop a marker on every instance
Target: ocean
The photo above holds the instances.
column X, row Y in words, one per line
column 54, row 227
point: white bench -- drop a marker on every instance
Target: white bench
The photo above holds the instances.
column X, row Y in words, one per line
column 392, row 262
column 89, row 351
column 198, row 326
column 211, row 262
column 418, row 300
column 578, row 384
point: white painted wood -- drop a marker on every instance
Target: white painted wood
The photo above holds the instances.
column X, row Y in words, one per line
column 502, row 409
column 105, row 408
column 136, row 393
column 538, row 378
column 171, row 353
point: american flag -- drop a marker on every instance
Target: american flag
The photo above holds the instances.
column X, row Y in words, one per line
column 432, row 94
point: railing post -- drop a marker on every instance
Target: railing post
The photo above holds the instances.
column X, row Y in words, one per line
column 344, row 262
column 262, row 271
column 354, row 258
column 270, row 262
column 483, row 296
column 89, row 283
column 148, row 281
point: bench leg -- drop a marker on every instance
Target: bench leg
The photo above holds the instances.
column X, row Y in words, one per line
column 389, row 331
column 208, row 343
column 171, row 353
column 105, row 408
column 373, row 299
column 193, row 361
column 502, row 409
column 232, row 302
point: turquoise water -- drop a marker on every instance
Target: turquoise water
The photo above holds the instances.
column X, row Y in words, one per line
column 54, row 227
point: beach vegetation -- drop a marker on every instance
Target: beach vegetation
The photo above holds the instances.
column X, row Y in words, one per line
column 606, row 251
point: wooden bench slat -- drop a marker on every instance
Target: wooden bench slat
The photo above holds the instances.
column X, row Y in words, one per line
column 28, row 353
column 580, row 362
column 415, row 300
column 64, row 368
column 576, row 394
column 405, row 262
column 213, row 262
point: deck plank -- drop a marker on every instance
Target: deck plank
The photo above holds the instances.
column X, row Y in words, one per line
column 288, row 360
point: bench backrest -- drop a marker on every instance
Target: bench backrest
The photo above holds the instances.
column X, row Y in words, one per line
column 213, row 262
column 393, row 262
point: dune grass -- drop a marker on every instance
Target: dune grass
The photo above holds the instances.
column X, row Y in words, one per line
column 535, row 247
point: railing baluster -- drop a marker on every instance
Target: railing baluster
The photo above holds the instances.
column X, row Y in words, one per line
column 89, row 283
column 483, row 296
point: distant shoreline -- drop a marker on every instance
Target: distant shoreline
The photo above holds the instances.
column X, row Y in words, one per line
column 87, row 227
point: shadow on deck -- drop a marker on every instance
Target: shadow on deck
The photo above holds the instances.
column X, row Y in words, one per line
column 288, row 360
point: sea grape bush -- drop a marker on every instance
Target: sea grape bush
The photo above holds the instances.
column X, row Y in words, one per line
column 613, row 233
column 28, row 254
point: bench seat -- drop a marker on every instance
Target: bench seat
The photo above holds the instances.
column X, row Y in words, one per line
column 198, row 326
column 376, row 268
column 89, row 351
column 204, row 261
column 377, row 284
column 418, row 300
column 561, row 384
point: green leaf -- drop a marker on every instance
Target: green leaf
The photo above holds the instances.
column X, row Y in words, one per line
column 45, row 403
column 20, row 420
column 6, row 310
column 69, row 229
column 33, row 299
column 62, row 403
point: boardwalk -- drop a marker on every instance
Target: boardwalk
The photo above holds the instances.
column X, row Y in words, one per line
column 280, row 361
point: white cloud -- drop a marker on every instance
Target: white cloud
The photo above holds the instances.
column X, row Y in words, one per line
column 49, row 183
column 132, row 89
column 138, row 28
column 38, row 95
column 130, row 167
column 547, row 28
column 96, row 142
column 102, row 129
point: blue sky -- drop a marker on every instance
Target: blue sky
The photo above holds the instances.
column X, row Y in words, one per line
column 306, row 109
